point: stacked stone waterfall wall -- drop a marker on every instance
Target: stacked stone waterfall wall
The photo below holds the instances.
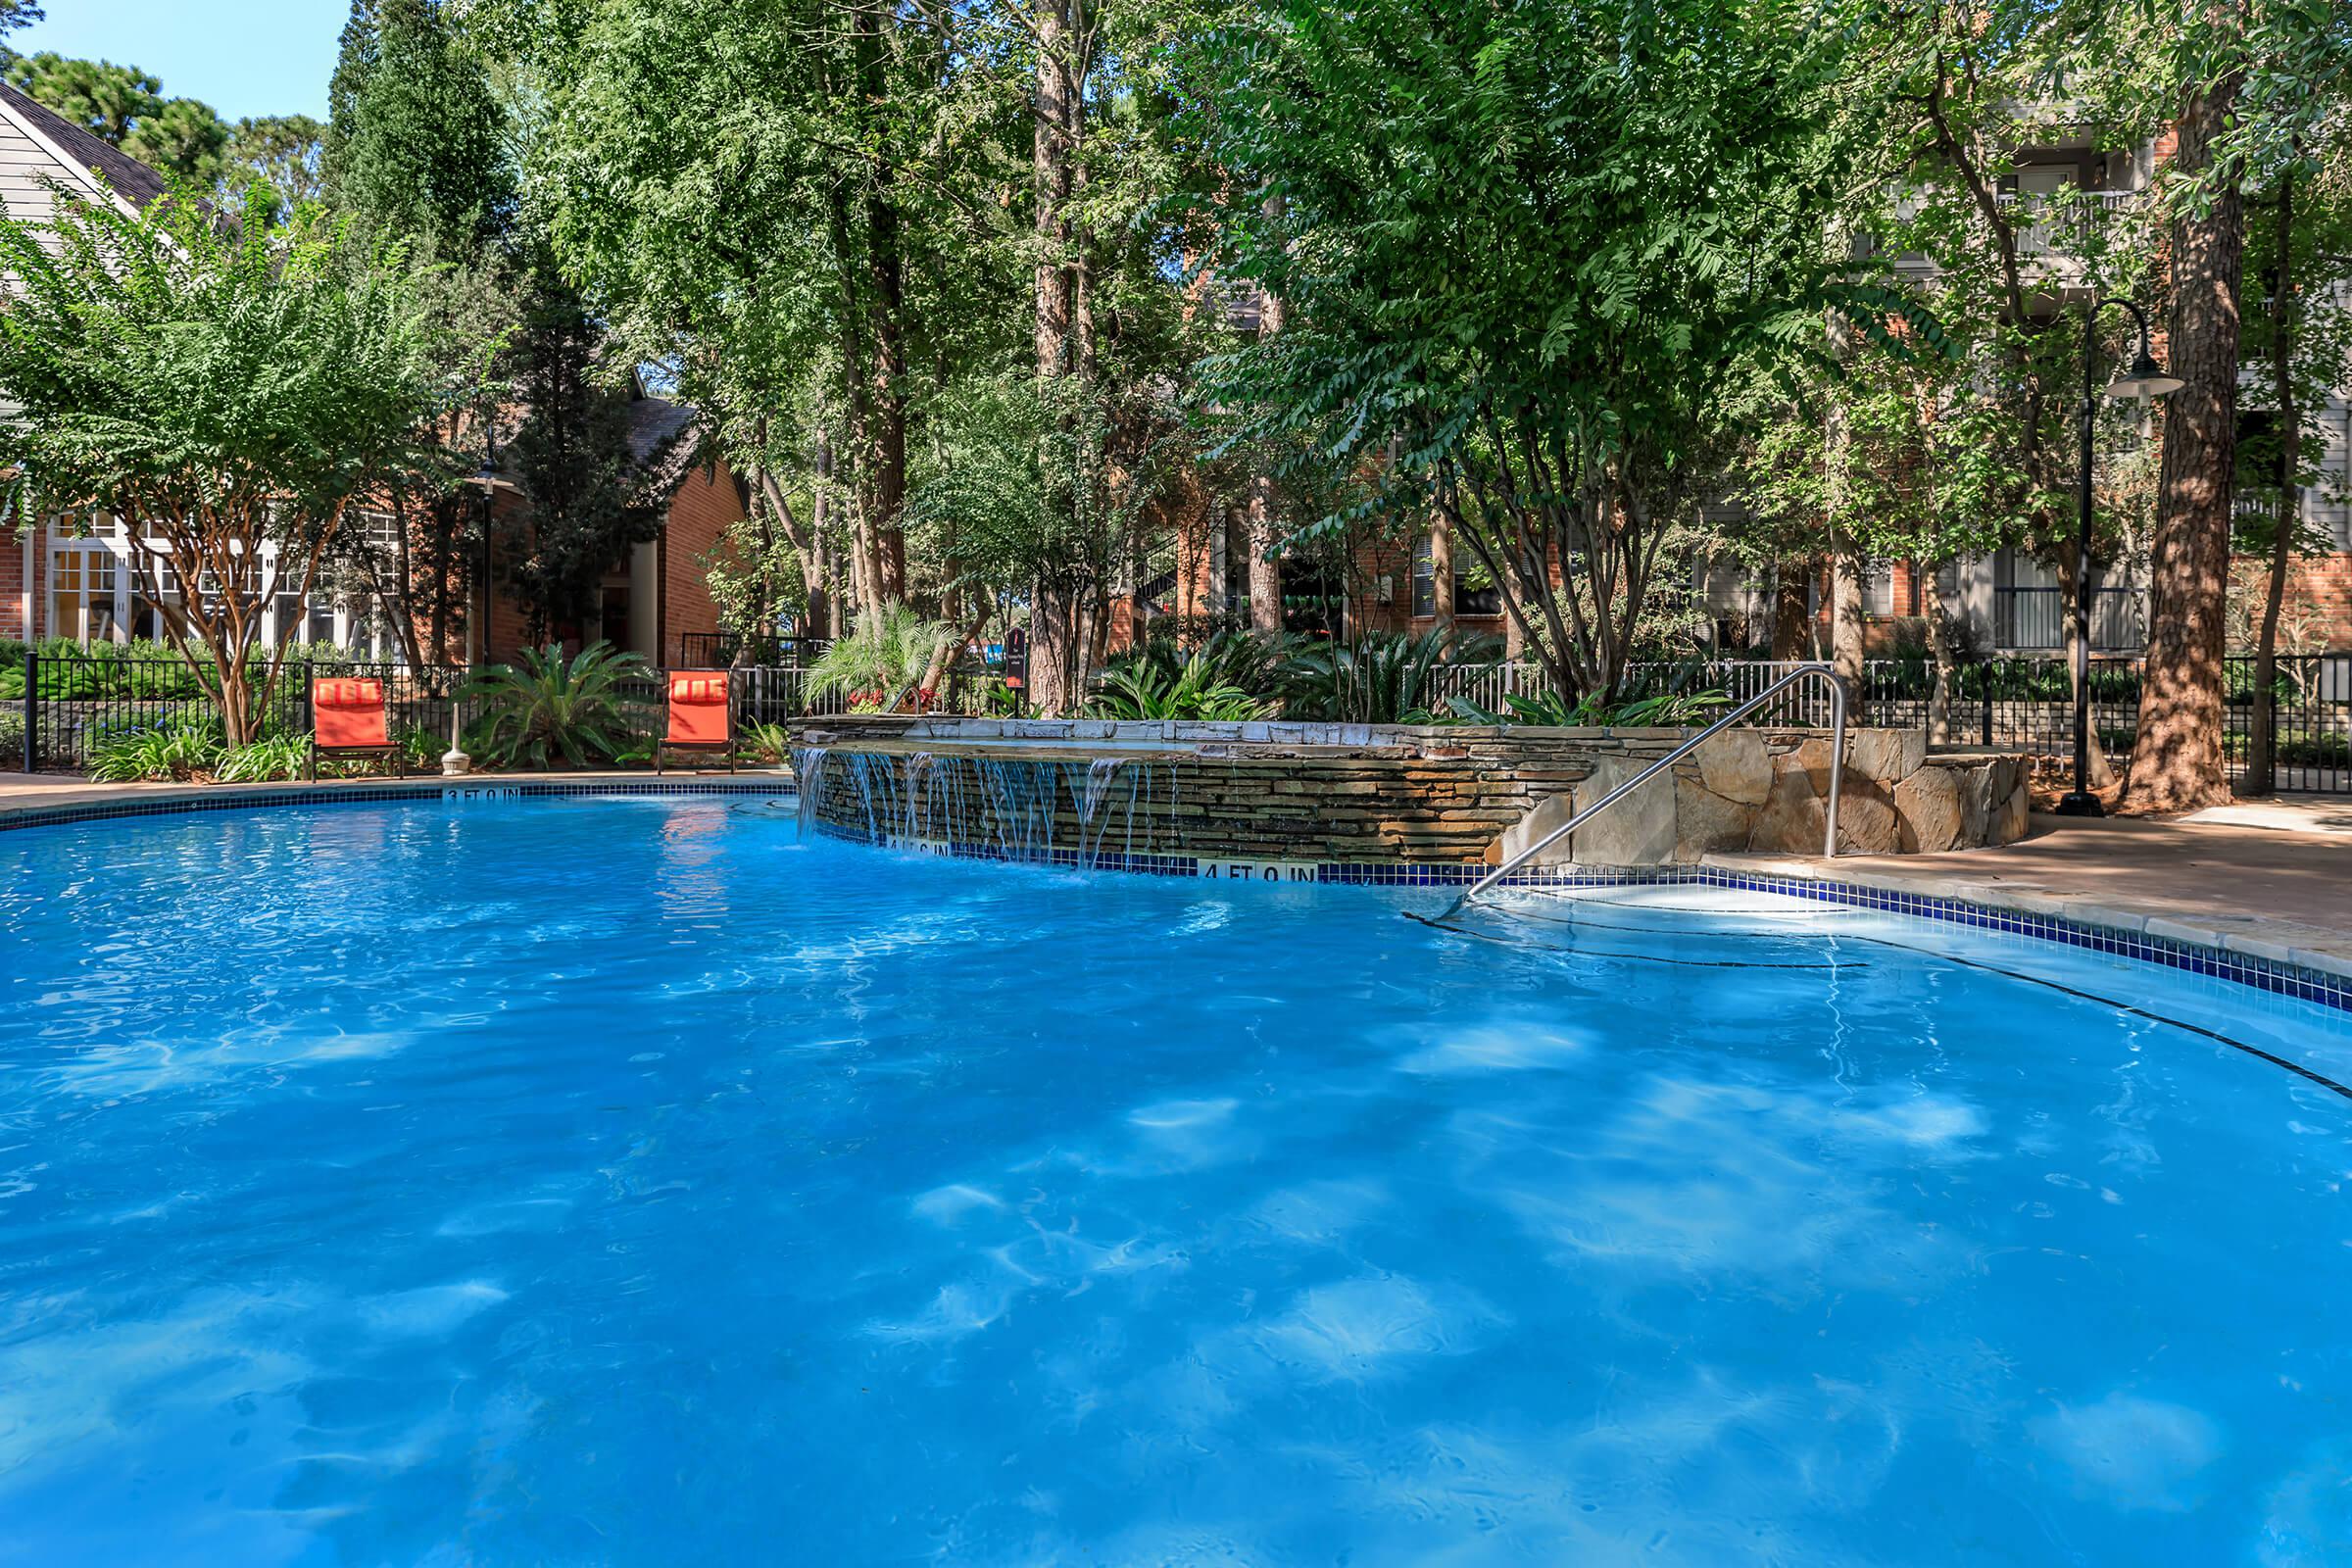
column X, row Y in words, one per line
column 1392, row 795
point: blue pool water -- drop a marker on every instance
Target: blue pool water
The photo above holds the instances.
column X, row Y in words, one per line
column 628, row 1182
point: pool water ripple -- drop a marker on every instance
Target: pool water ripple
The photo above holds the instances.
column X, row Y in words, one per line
column 627, row 1181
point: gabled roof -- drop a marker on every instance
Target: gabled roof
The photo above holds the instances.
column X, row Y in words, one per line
column 134, row 183
column 662, row 442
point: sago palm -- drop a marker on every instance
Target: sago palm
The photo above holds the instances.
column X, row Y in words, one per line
column 545, row 706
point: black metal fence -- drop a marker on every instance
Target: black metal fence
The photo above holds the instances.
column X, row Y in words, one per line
column 2024, row 704
column 716, row 650
column 59, row 707
column 2028, row 704
column 62, row 706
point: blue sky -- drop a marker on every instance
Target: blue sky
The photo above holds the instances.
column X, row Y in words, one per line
column 245, row 57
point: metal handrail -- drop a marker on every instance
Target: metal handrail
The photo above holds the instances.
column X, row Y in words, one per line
column 1828, row 672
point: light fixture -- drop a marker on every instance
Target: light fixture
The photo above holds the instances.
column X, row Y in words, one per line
column 2145, row 379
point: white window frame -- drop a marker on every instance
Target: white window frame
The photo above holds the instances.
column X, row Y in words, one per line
column 353, row 625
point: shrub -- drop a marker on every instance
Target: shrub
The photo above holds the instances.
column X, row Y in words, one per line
column 885, row 653
column 546, row 707
column 769, row 743
column 274, row 757
column 1380, row 679
column 1145, row 689
column 173, row 750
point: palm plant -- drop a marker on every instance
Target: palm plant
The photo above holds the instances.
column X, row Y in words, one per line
column 545, row 706
column 1381, row 678
column 884, row 653
column 1150, row 688
column 1248, row 661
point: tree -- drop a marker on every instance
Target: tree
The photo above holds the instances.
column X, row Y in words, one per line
column 572, row 460
column 416, row 150
column 282, row 152
column 2298, row 330
column 2235, row 83
column 223, row 390
column 124, row 106
column 787, row 228
column 416, row 137
column 2176, row 761
column 1644, row 188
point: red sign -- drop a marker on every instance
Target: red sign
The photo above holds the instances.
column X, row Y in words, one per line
column 1016, row 658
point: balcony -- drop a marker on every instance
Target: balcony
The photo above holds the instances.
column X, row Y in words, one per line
column 2031, row 619
column 2052, row 237
column 2070, row 226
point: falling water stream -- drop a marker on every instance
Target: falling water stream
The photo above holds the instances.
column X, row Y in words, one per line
column 1008, row 807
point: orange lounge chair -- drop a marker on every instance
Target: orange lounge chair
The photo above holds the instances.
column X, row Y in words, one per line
column 347, row 720
column 700, row 718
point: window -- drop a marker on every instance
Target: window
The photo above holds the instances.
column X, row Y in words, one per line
column 1469, row 601
column 85, row 587
column 96, row 596
column 1878, row 589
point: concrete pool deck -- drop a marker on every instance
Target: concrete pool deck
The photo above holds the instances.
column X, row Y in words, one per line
column 2271, row 879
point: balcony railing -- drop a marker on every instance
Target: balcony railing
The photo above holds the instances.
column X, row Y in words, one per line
column 2031, row 618
column 2067, row 225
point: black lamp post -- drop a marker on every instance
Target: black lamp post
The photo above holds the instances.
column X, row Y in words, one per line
column 2145, row 379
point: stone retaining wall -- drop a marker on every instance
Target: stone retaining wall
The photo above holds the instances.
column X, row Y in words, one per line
column 1454, row 795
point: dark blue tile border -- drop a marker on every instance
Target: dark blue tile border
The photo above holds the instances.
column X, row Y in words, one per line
column 264, row 798
column 2303, row 984
column 2263, row 974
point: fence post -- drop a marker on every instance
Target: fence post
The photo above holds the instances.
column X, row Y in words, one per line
column 1986, row 669
column 32, row 711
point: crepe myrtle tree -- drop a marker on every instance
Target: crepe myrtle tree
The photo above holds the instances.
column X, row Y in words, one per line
column 223, row 389
column 1524, row 251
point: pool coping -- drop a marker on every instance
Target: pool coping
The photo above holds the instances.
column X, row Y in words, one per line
column 2164, row 937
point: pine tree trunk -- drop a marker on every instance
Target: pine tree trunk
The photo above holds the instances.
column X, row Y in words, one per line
column 2177, row 760
column 1792, row 606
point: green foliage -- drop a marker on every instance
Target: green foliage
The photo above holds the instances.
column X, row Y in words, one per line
column 281, row 151
column 1526, row 252
column 1149, row 688
column 1668, row 710
column 271, row 758
column 767, row 743
column 173, row 750
column 881, row 657
column 1381, row 678
column 589, row 502
column 415, row 142
column 125, row 106
column 230, row 384
column 547, row 708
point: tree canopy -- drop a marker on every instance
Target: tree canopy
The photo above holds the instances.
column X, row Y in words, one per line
column 220, row 387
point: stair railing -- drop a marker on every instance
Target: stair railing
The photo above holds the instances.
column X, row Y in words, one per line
column 1826, row 672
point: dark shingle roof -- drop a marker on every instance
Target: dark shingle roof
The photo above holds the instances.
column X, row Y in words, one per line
column 131, row 179
column 662, row 441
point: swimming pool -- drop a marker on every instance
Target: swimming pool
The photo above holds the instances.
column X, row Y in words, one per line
column 627, row 1181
